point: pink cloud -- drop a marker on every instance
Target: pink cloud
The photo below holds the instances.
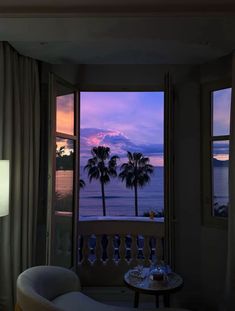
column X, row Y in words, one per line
column 139, row 115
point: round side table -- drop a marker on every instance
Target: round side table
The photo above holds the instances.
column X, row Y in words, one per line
column 145, row 285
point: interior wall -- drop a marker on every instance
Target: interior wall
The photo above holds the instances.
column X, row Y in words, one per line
column 214, row 240
column 127, row 77
column 200, row 252
column 187, row 188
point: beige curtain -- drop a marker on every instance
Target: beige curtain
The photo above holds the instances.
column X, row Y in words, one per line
column 19, row 142
column 229, row 303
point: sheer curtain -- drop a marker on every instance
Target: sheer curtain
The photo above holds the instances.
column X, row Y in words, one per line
column 229, row 304
column 19, row 142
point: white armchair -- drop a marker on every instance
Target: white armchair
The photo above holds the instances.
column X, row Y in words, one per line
column 49, row 288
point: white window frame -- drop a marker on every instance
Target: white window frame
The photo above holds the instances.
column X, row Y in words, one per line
column 207, row 139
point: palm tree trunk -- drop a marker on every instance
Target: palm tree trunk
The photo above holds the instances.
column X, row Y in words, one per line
column 136, row 200
column 103, row 199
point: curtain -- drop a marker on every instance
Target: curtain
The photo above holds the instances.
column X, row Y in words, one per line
column 19, row 142
column 229, row 303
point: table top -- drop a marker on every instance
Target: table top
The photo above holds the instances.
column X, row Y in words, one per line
column 145, row 285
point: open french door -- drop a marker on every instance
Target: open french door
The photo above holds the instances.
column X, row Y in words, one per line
column 63, row 179
column 169, row 219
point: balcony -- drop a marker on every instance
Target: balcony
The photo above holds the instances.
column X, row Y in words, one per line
column 109, row 246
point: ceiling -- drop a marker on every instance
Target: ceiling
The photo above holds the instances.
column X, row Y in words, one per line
column 52, row 6
column 134, row 32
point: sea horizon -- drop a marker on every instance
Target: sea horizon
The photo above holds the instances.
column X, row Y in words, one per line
column 120, row 200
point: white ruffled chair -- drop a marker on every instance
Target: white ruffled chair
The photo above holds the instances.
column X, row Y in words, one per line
column 50, row 288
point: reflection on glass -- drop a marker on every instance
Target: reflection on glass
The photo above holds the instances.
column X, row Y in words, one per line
column 64, row 202
column 65, row 114
column 64, row 174
column 221, row 111
column 220, row 178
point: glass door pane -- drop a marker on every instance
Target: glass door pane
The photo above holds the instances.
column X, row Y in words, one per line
column 220, row 180
column 221, row 103
column 65, row 114
column 64, row 201
column 64, row 171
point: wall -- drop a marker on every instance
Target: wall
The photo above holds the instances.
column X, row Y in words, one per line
column 214, row 240
column 187, row 187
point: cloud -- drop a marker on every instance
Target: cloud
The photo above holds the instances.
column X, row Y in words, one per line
column 221, row 147
column 221, row 150
column 138, row 115
column 65, row 114
column 118, row 143
column 121, row 120
column 68, row 145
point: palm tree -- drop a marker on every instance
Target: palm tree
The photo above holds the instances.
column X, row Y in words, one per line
column 101, row 167
column 82, row 184
column 60, row 154
column 136, row 173
column 60, row 151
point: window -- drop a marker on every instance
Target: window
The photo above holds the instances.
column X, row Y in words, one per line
column 64, row 172
column 123, row 122
column 216, row 103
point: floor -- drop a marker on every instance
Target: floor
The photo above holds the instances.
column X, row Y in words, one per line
column 120, row 296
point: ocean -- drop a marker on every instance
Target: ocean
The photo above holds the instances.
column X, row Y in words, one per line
column 120, row 200
column 220, row 185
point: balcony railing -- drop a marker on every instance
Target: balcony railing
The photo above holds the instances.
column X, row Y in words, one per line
column 108, row 247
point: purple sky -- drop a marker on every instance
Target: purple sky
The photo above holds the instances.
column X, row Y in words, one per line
column 123, row 121
column 132, row 121
column 221, row 111
column 221, row 103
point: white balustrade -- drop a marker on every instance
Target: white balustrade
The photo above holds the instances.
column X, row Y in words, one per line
column 108, row 248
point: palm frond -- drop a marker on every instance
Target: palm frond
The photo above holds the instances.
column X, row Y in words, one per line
column 82, row 184
column 99, row 167
column 136, row 171
column 129, row 156
column 93, row 173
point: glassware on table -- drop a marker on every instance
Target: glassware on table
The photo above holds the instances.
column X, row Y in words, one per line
column 139, row 268
column 137, row 272
column 166, row 268
column 157, row 274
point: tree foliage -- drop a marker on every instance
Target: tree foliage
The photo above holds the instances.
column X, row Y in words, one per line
column 102, row 167
column 136, row 173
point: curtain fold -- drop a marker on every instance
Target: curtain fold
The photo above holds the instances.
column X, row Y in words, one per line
column 20, row 143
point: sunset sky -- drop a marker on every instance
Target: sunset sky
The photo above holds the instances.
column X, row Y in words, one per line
column 221, row 122
column 123, row 121
column 131, row 121
column 221, row 111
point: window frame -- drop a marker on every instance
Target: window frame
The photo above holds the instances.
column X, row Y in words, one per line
column 169, row 221
column 167, row 129
column 207, row 140
column 54, row 80
column 167, row 86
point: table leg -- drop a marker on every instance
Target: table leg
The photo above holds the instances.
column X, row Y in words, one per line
column 136, row 300
column 166, row 299
column 157, row 301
